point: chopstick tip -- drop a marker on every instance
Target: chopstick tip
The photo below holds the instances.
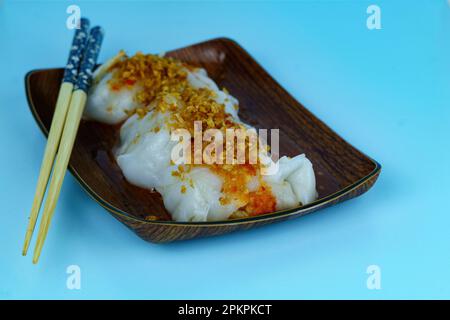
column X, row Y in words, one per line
column 25, row 246
column 35, row 259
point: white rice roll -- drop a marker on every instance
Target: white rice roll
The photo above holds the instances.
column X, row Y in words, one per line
column 110, row 106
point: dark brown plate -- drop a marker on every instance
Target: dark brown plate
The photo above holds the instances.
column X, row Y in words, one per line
column 342, row 172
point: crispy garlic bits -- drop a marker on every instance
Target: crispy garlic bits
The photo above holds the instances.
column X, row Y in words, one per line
column 153, row 96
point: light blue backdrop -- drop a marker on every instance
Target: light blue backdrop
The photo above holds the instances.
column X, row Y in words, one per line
column 385, row 91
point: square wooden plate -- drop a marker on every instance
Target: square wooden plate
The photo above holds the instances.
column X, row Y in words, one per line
column 342, row 172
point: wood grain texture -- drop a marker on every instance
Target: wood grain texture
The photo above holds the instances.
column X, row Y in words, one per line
column 342, row 172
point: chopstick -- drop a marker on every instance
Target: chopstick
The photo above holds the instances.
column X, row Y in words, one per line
column 74, row 114
column 65, row 93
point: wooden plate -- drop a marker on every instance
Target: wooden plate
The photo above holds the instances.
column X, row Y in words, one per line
column 342, row 172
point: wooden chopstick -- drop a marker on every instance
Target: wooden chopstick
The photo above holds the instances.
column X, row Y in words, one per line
column 74, row 114
column 72, row 122
column 64, row 96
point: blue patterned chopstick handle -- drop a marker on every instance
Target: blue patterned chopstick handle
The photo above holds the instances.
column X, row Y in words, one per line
column 89, row 59
column 76, row 52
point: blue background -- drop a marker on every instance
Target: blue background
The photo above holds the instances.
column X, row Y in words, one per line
column 385, row 91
